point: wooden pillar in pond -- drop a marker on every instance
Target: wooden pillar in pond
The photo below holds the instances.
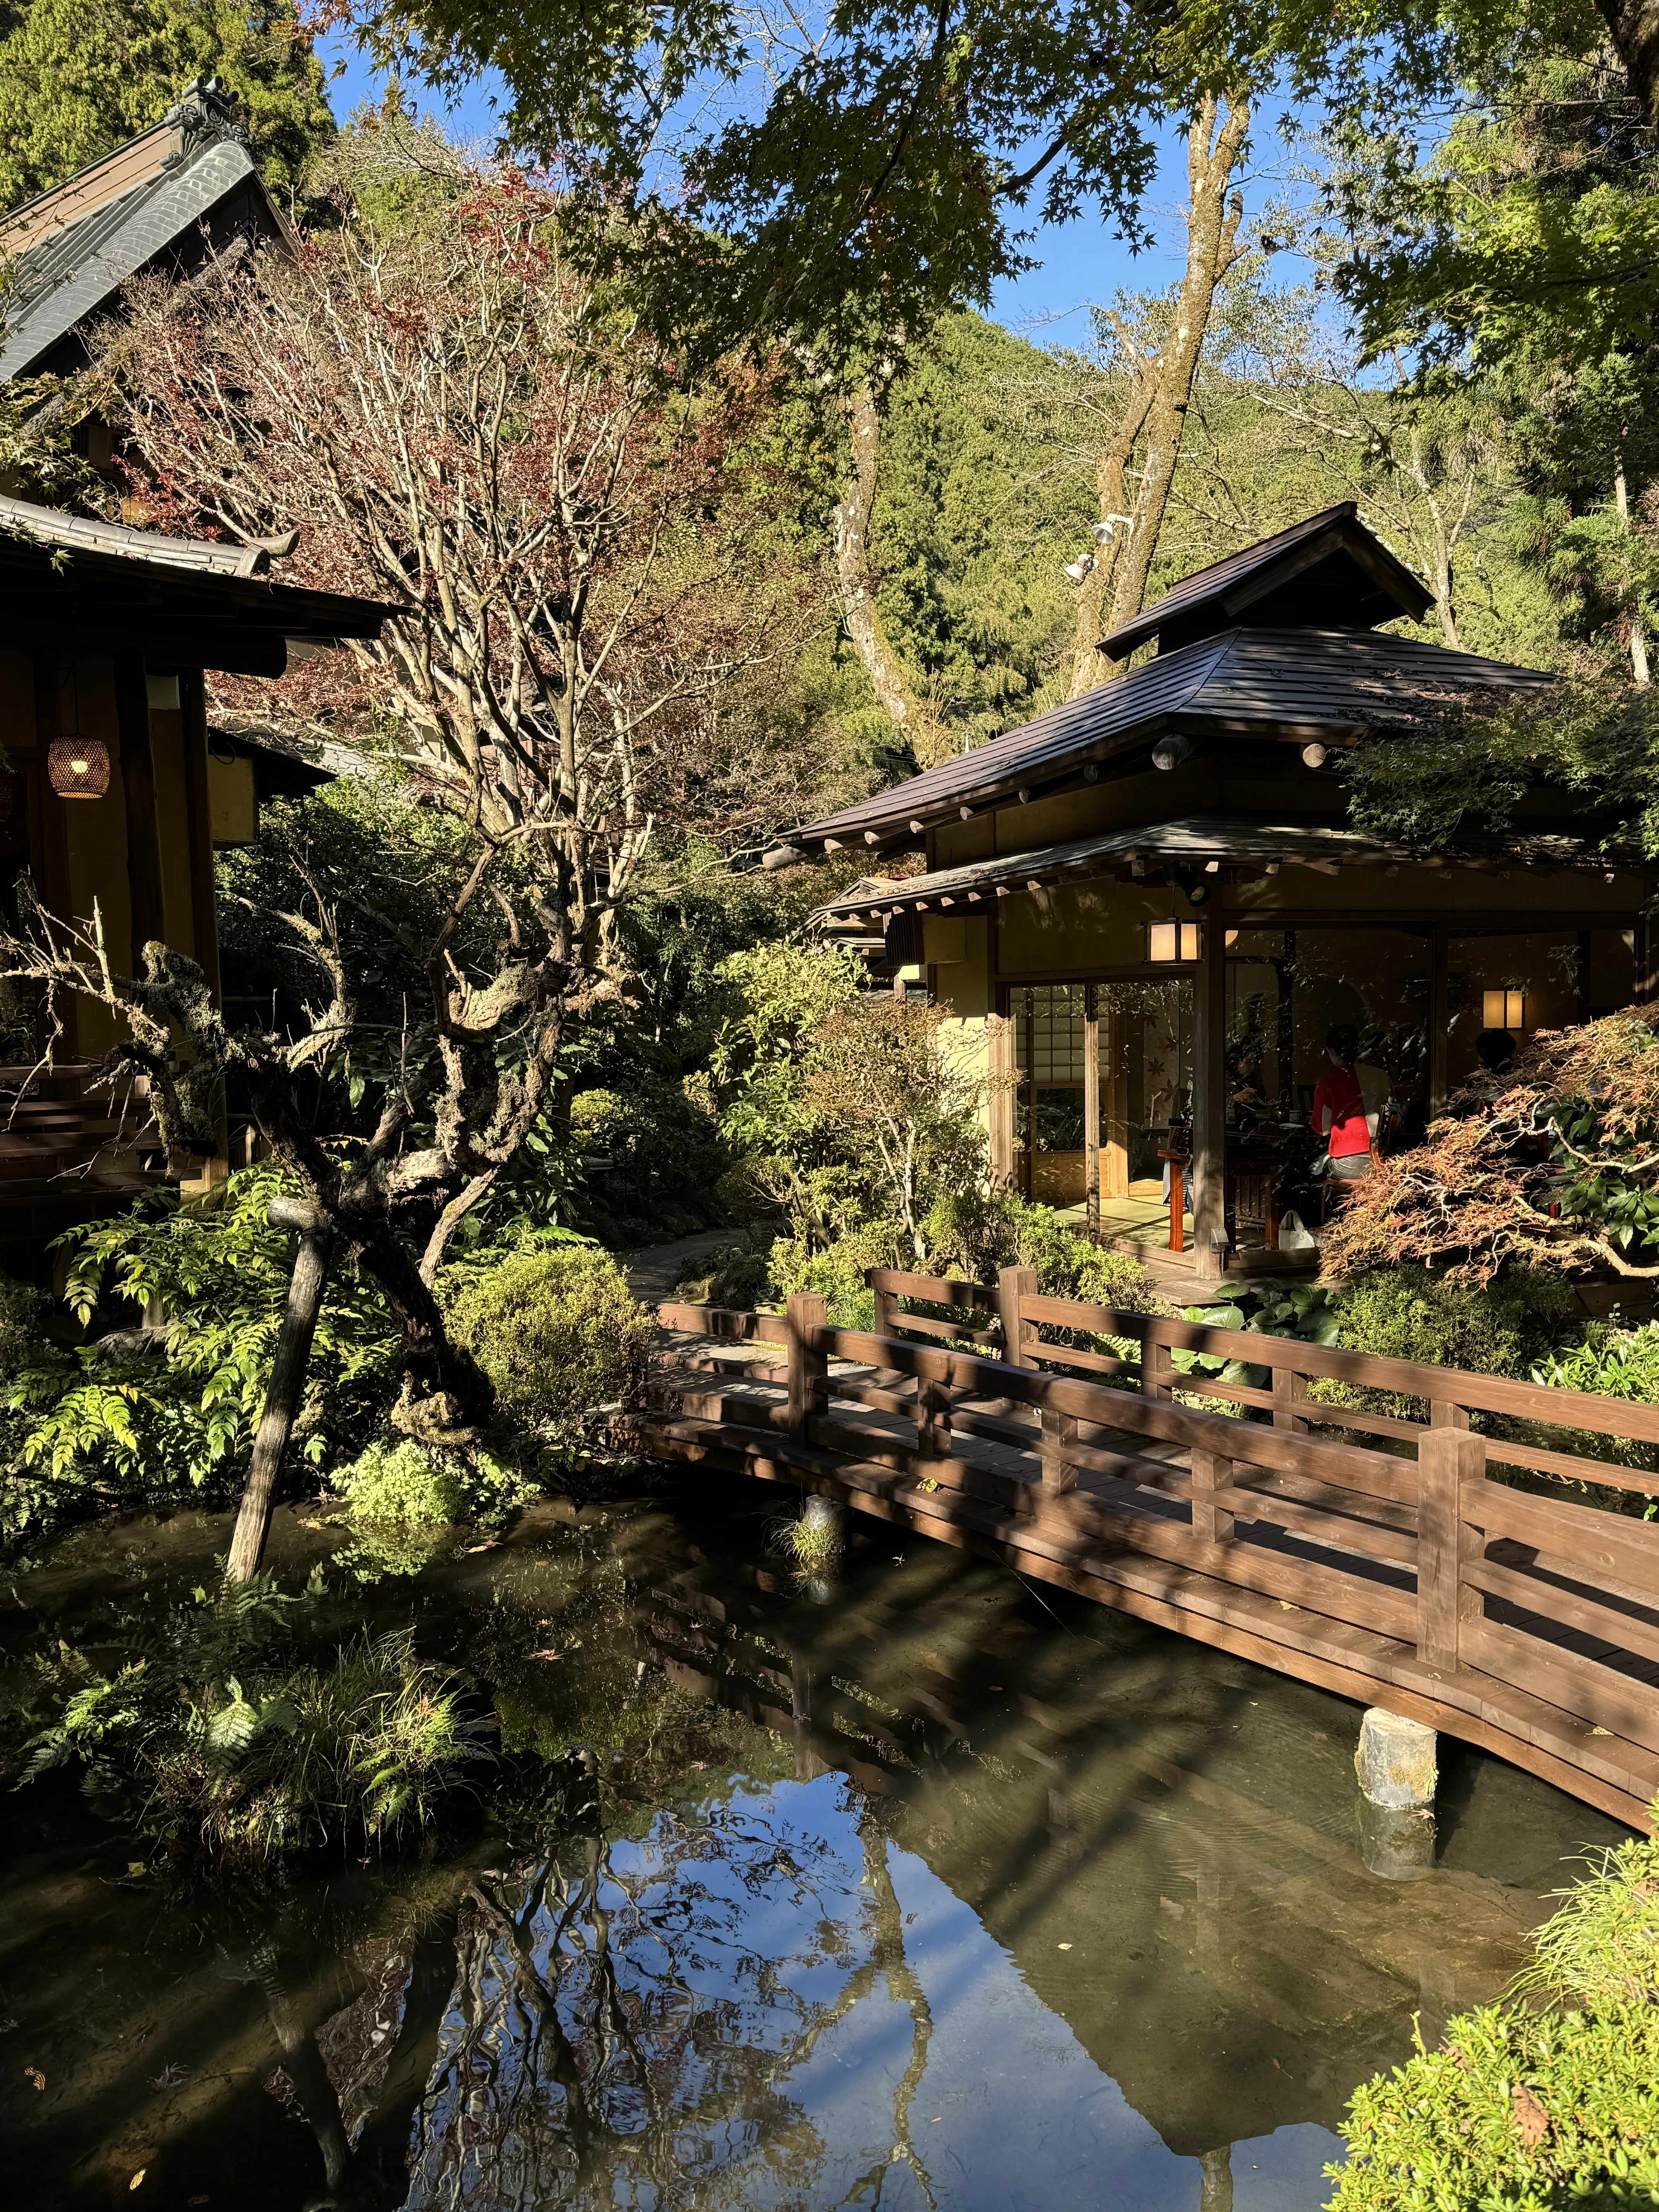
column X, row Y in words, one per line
column 1210, row 1093
column 1440, row 1020
column 1091, row 1108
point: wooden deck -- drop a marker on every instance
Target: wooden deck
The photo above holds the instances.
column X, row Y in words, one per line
column 1369, row 1551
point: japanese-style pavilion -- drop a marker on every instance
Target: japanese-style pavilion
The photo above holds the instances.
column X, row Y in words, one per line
column 1146, row 908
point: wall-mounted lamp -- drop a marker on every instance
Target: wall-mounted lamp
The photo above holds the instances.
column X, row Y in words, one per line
column 1171, row 940
column 1503, row 1010
column 78, row 767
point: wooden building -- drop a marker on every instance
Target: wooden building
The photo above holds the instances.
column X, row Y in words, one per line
column 113, row 793
column 1148, row 908
column 167, row 201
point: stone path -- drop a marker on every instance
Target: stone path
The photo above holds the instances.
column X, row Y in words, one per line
column 652, row 1273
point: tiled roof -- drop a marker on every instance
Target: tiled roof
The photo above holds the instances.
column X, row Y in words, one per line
column 50, row 578
column 1195, row 841
column 22, row 518
column 1268, row 682
column 71, row 249
column 1226, row 588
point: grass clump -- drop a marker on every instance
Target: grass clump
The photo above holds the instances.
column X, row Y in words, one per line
column 559, row 1334
column 223, row 1747
column 812, row 1543
column 1550, row 2099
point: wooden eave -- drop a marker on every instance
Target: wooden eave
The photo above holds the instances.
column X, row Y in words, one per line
column 1224, row 848
column 176, row 615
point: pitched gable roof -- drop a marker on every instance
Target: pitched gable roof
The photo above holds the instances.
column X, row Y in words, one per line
column 1296, row 684
column 1326, row 573
column 185, row 187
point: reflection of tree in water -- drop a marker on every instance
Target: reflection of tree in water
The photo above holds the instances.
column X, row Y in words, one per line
column 626, row 2020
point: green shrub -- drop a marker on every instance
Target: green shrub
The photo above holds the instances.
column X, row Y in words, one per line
column 1493, row 1328
column 1528, row 2108
column 132, row 1415
column 558, row 1332
column 404, row 1481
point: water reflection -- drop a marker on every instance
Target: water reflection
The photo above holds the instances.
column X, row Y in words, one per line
column 938, row 1894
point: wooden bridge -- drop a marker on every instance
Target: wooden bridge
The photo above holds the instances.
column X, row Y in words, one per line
column 1499, row 1584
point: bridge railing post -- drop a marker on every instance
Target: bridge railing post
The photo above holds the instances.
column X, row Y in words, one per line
column 1157, row 1368
column 1212, row 1523
column 1014, row 1284
column 1450, row 1461
column 932, row 1421
column 804, row 1312
column 1059, row 1433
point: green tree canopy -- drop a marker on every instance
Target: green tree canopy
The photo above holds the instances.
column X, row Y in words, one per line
column 848, row 169
column 78, row 76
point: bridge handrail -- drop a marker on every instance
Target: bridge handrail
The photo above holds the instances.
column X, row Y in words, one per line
column 1451, row 1393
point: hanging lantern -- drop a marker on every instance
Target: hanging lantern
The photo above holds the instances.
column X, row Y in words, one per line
column 78, row 767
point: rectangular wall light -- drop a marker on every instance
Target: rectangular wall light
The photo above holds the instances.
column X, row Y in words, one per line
column 1503, row 1010
column 1171, row 940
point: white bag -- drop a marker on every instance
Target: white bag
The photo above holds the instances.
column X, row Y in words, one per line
column 1294, row 1236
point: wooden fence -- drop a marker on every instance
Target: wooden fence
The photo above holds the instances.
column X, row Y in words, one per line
column 1513, row 1612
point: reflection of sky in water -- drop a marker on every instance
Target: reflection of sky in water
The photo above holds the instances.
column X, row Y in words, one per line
column 802, row 2015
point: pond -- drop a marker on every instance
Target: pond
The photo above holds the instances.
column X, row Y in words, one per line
column 934, row 1888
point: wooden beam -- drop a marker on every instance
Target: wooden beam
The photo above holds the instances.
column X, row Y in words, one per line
column 1091, row 1108
column 1440, row 1020
column 138, row 790
column 1116, row 1168
column 1210, row 1093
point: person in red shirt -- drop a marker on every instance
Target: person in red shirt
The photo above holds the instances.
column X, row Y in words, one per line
column 1339, row 1109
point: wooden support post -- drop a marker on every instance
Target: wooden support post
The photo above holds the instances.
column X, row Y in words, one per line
column 1290, row 1390
column 1439, row 1022
column 1443, row 1414
column 933, row 1420
column 1210, row 1096
column 1449, row 1460
column 1091, row 1108
column 1212, row 1523
column 1115, row 1167
column 138, row 790
column 804, row 1314
column 887, row 1305
column 1059, row 1433
column 1155, row 1369
column 1028, row 1167
column 1014, row 1284
column 1000, row 1104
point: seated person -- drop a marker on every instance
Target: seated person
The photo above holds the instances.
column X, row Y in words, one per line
column 1339, row 1109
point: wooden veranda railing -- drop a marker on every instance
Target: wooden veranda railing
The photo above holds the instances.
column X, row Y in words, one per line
column 1459, row 1575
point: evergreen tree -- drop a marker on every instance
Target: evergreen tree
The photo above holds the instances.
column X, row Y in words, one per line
column 78, row 76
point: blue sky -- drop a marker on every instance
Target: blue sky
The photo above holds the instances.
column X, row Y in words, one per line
column 1077, row 263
